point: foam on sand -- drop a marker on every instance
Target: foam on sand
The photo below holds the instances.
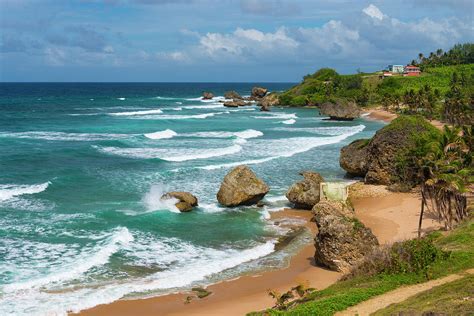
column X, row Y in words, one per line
column 8, row 191
column 168, row 133
column 171, row 154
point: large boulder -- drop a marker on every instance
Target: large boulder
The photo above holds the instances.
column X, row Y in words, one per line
column 235, row 103
column 259, row 92
column 353, row 158
column 340, row 110
column 241, row 187
column 305, row 194
column 268, row 101
column 386, row 149
column 342, row 240
column 206, row 95
column 232, row 95
column 185, row 200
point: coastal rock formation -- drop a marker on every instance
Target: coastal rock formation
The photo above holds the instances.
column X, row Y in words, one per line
column 241, row 187
column 232, row 95
column 268, row 101
column 258, row 92
column 340, row 110
column 235, row 103
column 186, row 201
column 207, row 95
column 353, row 158
column 342, row 240
column 305, row 194
column 385, row 149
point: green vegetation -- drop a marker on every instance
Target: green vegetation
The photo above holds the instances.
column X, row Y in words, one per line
column 455, row 298
column 413, row 262
column 459, row 54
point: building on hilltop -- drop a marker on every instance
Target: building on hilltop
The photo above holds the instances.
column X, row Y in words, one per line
column 396, row 69
column 411, row 70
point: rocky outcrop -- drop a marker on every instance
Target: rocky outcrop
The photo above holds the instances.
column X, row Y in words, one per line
column 207, row 95
column 340, row 110
column 353, row 158
column 342, row 240
column 258, row 92
column 241, row 187
column 384, row 151
column 268, row 101
column 305, row 194
column 235, row 103
column 232, row 95
column 185, row 200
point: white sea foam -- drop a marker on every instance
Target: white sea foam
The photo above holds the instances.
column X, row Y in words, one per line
column 8, row 191
column 215, row 99
column 133, row 113
column 204, row 106
column 277, row 116
column 186, row 264
column 246, row 134
column 121, row 99
column 171, row 154
column 180, row 117
column 61, row 136
column 289, row 122
column 153, row 202
column 168, row 133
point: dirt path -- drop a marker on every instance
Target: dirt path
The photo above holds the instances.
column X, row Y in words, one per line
column 399, row 295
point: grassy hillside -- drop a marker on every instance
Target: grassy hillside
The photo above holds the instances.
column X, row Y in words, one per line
column 431, row 258
column 369, row 89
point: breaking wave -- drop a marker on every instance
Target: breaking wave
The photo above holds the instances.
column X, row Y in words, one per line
column 8, row 191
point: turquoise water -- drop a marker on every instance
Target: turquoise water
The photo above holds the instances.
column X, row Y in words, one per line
column 82, row 168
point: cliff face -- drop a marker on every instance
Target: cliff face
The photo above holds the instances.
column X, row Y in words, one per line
column 378, row 161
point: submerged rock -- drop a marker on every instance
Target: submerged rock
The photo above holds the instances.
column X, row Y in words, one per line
column 207, row 95
column 186, row 201
column 259, row 92
column 305, row 194
column 232, row 95
column 340, row 110
column 353, row 157
column 241, row 187
column 342, row 240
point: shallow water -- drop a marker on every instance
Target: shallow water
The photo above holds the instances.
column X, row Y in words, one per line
column 82, row 168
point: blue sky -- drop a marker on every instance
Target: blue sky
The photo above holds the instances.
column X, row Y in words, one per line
column 226, row 40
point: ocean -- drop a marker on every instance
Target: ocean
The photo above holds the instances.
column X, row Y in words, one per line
column 83, row 167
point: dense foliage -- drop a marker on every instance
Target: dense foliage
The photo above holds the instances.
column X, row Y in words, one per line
column 459, row 54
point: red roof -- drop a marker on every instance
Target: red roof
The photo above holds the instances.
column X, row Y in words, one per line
column 413, row 67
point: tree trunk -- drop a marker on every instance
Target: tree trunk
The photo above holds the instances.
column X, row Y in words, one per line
column 421, row 212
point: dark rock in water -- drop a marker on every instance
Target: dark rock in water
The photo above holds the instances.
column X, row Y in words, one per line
column 340, row 110
column 186, row 201
column 207, row 95
column 305, row 194
column 268, row 101
column 258, row 92
column 235, row 103
column 354, row 158
column 342, row 240
column 241, row 187
column 260, row 204
column 232, row 95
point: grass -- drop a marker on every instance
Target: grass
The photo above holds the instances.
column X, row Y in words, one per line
column 455, row 298
column 344, row 294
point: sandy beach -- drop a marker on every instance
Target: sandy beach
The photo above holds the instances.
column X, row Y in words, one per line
column 391, row 216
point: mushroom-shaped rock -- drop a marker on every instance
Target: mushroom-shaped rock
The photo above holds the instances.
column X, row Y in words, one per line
column 341, row 110
column 305, row 194
column 354, row 158
column 342, row 240
column 241, row 187
column 206, row 95
column 232, row 95
column 185, row 200
column 259, row 92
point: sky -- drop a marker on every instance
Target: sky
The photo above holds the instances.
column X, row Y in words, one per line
column 219, row 41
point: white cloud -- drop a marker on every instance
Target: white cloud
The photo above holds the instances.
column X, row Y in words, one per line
column 374, row 12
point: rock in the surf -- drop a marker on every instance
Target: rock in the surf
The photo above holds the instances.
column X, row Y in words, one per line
column 259, row 92
column 268, row 101
column 206, row 95
column 185, row 200
column 232, row 95
column 235, row 103
column 342, row 240
column 305, row 194
column 354, row 158
column 241, row 187
column 340, row 110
